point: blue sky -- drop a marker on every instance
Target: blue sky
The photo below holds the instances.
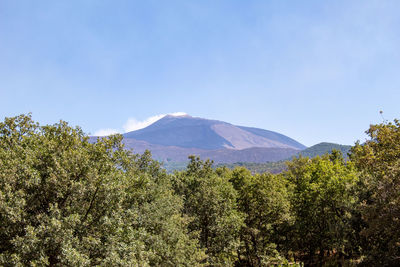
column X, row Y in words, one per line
column 313, row 70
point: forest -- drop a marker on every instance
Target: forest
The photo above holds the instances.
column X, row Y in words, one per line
column 65, row 201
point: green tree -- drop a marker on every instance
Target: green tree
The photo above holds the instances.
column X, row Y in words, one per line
column 67, row 202
column 323, row 203
column 264, row 201
column 210, row 201
column 378, row 160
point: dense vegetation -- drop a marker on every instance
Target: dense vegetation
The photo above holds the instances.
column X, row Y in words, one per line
column 65, row 201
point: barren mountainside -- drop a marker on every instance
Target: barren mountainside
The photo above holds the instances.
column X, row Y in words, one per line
column 176, row 137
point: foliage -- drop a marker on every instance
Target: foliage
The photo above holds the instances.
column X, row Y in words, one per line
column 67, row 202
column 323, row 202
column 264, row 201
column 378, row 160
column 210, row 200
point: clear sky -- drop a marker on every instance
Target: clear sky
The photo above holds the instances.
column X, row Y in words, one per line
column 313, row 70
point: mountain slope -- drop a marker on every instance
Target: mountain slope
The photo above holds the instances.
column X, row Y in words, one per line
column 274, row 136
column 254, row 154
column 279, row 166
column 174, row 137
column 189, row 132
column 181, row 131
column 323, row 148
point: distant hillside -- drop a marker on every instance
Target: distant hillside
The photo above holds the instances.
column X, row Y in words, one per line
column 279, row 166
column 255, row 155
column 191, row 132
column 323, row 148
column 173, row 138
column 271, row 167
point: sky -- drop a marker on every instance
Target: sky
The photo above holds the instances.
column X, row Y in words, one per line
column 313, row 70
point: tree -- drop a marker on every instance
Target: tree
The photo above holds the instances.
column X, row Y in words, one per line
column 210, row 202
column 323, row 203
column 264, row 201
column 378, row 160
column 65, row 201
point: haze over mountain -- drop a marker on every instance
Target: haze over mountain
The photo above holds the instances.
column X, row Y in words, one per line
column 174, row 138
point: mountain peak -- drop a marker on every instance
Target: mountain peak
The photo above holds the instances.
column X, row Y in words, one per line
column 181, row 130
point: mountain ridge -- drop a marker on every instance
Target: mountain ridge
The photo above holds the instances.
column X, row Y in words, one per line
column 323, row 148
column 174, row 138
column 193, row 132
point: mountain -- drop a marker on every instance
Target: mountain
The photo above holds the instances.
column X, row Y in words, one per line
column 190, row 132
column 279, row 166
column 323, row 148
column 174, row 138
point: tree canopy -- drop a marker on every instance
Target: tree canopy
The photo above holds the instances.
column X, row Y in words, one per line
column 69, row 201
column 378, row 161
